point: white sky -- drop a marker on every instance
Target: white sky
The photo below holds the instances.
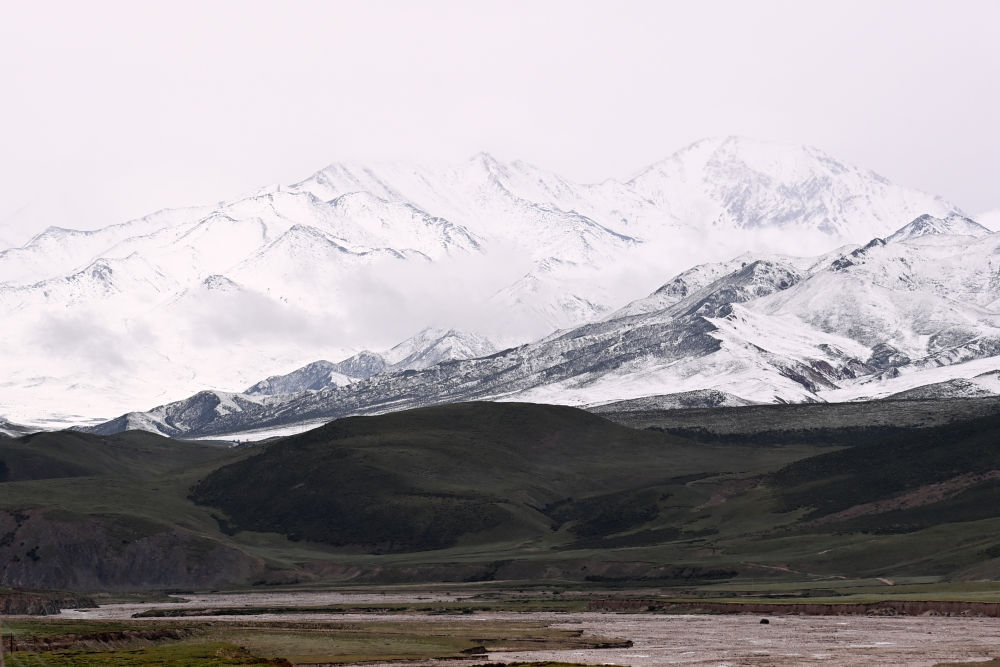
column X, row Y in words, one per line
column 111, row 110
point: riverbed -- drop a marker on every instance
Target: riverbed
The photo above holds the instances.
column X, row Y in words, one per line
column 657, row 639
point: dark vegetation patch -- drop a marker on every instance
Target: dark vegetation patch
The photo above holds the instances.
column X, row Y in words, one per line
column 980, row 502
column 339, row 496
column 838, row 480
column 422, row 479
column 607, row 514
column 836, row 436
column 61, row 454
column 670, row 575
column 516, row 492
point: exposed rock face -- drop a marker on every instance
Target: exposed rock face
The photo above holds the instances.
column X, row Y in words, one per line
column 39, row 604
column 40, row 549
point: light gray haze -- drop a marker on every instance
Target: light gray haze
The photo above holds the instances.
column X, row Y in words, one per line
column 114, row 109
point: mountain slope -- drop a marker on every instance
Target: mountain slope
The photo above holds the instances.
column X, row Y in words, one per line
column 109, row 513
column 426, row 348
column 473, row 470
column 359, row 256
column 11, row 430
column 864, row 322
column 510, row 491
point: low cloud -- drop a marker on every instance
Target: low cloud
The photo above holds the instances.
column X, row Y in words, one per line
column 83, row 341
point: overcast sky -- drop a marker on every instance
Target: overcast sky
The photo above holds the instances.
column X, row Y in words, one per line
column 111, row 110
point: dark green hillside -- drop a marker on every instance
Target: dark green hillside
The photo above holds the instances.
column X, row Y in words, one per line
column 421, row 479
column 49, row 455
column 79, row 511
column 516, row 492
column 548, row 488
column 899, row 463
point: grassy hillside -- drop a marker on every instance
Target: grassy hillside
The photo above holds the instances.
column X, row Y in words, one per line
column 422, row 479
column 522, row 492
column 137, row 454
column 896, row 464
column 91, row 512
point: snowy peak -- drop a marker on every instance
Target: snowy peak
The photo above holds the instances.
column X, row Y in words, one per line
column 856, row 256
column 316, row 375
column 433, row 346
column 746, row 184
column 754, row 329
column 321, row 375
column 370, row 220
column 926, row 225
column 357, row 255
column 182, row 416
column 425, row 349
column 751, row 280
column 362, row 365
column 682, row 285
column 11, row 430
column 217, row 283
column 786, row 164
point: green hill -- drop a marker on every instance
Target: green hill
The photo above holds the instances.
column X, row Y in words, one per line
column 422, row 479
column 48, row 455
column 936, row 475
column 87, row 512
column 510, row 491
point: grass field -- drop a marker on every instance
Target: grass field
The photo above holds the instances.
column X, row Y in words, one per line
column 248, row 642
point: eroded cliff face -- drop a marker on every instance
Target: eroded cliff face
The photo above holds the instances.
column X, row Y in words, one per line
column 41, row 603
column 53, row 549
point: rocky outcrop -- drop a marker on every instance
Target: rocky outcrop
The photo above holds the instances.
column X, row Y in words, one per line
column 55, row 549
column 25, row 603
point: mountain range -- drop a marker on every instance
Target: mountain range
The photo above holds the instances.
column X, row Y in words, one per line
column 357, row 257
column 914, row 315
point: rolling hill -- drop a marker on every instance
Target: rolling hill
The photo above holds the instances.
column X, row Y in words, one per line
column 482, row 491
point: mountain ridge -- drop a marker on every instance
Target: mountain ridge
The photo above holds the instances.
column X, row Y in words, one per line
column 754, row 333
column 357, row 257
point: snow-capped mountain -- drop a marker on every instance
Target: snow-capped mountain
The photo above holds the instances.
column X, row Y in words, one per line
column 434, row 346
column 862, row 322
column 9, row 430
column 357, row 256
column 928, row 225
column 425, row 349
column 984, row 384
column 742, row 184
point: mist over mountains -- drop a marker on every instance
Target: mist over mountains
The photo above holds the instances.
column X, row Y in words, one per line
column 359, row 257
column 916, row 310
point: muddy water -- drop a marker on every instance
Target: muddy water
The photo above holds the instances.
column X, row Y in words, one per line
column 729, row 640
